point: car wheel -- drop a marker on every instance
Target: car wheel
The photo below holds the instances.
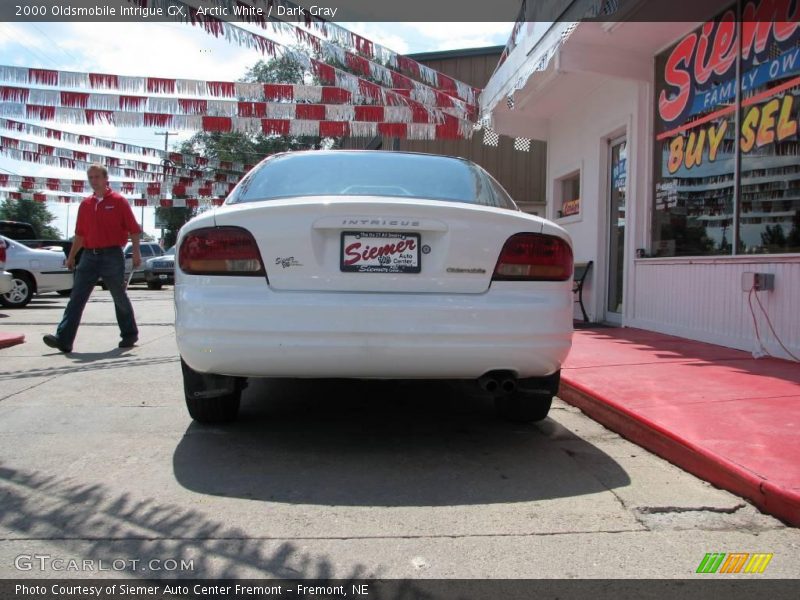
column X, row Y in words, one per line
column 21, row 293
column 64, row 293
column 523, row 407
column 153, row 285
column 530, row 401
column 211, row 398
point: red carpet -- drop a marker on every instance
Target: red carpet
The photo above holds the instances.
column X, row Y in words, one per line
column 715, row 412
column 10, row 339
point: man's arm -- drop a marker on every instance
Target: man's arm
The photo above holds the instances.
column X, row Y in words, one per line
column 137, row 254
column 77, row 244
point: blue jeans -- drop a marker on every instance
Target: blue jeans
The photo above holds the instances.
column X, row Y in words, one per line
column 110, row 265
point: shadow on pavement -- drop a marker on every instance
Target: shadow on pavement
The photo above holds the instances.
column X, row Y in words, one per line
column 384, row 444
column 62, row 511
column 90, row 362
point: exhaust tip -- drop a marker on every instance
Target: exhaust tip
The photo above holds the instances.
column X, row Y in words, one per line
column 509, row 386
column 490, row 385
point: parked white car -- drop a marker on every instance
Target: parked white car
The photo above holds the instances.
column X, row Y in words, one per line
column 362, row 264
column 33, row 271
column 6, row 279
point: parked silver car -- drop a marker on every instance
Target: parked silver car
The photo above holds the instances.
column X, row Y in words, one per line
column 6, row 278
column 34, row 271
column 148, row 250
column 160, row 270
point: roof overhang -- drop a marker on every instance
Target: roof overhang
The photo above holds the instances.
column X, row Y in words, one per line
column 569, row 61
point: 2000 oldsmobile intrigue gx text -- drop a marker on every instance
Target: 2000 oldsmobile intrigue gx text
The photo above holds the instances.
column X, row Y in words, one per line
column 362, row 264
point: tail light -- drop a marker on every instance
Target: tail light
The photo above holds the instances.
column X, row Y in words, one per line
column 534, row 257
column 2, row 251
column 220, row 251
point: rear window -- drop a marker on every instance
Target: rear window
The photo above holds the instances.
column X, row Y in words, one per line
column 379, row 173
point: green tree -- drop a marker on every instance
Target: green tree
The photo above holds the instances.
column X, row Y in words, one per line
column 30, row 211
column 773, row 238
column 281, row 69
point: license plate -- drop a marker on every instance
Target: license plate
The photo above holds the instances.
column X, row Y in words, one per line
column 162, row 276
column 380, row 252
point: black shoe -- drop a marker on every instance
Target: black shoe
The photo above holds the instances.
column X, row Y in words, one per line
column 54, row 342
column 129, row 342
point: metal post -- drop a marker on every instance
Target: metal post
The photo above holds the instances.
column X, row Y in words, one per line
column 737, row 157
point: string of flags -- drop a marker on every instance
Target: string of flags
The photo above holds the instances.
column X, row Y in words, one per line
column 365, row 92
column 57, row 151
column 182, row 187
column 343, row 38
column 98, row 103
column 177, row 158
column 154, row 201
column 397, row 71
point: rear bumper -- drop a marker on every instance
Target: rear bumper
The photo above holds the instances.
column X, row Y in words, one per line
column 159, row 276
column 239, row 326
column 6, row 282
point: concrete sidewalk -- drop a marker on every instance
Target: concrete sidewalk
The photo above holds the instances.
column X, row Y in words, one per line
column 715, row 412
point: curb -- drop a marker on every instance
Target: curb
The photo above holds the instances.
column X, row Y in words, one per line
column 669, row 445
column 11, row 339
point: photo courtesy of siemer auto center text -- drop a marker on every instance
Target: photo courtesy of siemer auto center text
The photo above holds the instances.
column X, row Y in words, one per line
column 419, row 300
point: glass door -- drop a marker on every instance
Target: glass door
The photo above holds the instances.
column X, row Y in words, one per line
column 618, row 161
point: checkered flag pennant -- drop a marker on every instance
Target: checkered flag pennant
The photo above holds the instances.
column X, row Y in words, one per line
column 522, row 144
column 510, row 101
column 490, row 137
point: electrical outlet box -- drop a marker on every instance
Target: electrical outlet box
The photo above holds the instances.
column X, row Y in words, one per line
column 760, row 282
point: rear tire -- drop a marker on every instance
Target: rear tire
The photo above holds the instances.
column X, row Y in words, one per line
column 531, row 401
column 522, row 407
column 153, row 285
column 21, row 293
column 223, row 406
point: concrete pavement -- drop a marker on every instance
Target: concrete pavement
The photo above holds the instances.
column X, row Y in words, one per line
column 100, row 461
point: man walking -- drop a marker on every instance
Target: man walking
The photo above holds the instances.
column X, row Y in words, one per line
column 105, row 221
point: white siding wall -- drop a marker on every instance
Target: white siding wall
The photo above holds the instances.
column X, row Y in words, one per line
column 702, row 299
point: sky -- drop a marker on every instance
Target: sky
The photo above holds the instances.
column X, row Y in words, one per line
column 177, row 50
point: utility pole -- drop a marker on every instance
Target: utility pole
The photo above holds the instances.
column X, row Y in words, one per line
column 164, row 164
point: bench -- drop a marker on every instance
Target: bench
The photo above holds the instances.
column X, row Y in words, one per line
column 581, row 271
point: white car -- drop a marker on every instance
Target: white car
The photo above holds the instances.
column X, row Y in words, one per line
column 372, row 264
column 6, row 278
column 33, row 271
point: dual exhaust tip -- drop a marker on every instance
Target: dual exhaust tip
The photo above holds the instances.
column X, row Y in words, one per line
column 498, row 383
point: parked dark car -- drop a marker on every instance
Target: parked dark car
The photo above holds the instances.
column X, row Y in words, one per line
column 17, row 231
column 160, row 270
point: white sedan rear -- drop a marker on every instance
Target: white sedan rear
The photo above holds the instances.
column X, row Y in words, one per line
column 33, row 271
column 372, row 265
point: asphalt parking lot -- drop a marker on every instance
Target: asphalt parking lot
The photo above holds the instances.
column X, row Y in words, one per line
column 99, row 461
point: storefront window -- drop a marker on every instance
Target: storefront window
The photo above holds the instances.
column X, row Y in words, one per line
column 700, row 196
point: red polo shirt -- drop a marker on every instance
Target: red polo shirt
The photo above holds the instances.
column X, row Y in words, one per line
column 105, row 222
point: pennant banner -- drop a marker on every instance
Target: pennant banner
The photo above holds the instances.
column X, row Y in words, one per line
column 370, row 49
column 149, row 201
column 133, row 87
column 281, row 123
column 183, row 159
column 184, row 187
column 104, row 159
column 77, row 164
column 358, row 53
column 242, row 37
